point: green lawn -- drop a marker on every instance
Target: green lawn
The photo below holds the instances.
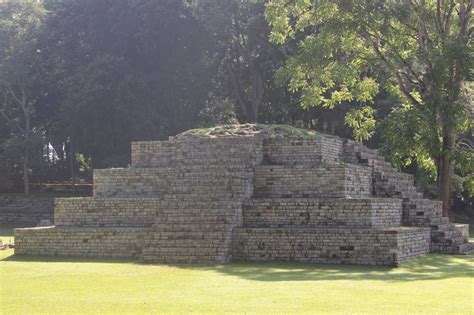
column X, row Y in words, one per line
column 434, row 284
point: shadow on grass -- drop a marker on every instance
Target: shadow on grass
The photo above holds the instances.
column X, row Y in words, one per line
column 67, row 259
column 429, row 267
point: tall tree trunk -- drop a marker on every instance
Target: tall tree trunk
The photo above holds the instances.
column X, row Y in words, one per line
column 72, row 160
column 26, row 176
column 26, row 157
column 256, row 96
column 446, row 172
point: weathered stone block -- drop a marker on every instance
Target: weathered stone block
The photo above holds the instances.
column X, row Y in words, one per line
column 81, row 242
column 313, row 212
column 308, row 181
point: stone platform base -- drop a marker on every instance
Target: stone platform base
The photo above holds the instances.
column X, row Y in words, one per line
column 81, row 242
column 331, row 245
column 387, row 247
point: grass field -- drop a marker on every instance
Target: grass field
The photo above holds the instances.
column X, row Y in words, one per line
column 434, row 284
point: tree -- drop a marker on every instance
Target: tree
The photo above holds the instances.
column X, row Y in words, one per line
column 420, row 51
column 245, row 59
column 114, row 64
column 19, row 69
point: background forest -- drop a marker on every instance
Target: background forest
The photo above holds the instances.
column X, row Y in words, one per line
column 81, row 79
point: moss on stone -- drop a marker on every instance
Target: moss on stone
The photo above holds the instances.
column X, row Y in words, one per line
column 248, row 130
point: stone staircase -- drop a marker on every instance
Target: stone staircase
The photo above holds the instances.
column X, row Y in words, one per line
column 194, row 200
column 446, row 237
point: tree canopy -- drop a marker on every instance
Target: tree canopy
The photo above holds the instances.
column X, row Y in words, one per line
column 80, row 79
column 419, row 51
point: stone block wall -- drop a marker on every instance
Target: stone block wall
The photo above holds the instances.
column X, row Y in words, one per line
column 293, row 212
column 295, row 150
column 304, row 181
column 332, row 149
column 20, row 211
column 153, row 182
column 193, row 231
column 353, row 152
column 130, row 182
column 386, row 212
column 327, row 245
column 106, row 212
column 464, row 228
column 420, row 212
column 203, row 202
column 81, row 242
column 180, row 152
column 413, row 242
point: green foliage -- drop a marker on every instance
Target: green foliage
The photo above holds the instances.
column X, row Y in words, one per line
column 350, row 48
column 329, row 68
column 469, row 185
column 347, row 39
column 407, row 138
column 362, row 121
column 420, row 52
column 85, row 164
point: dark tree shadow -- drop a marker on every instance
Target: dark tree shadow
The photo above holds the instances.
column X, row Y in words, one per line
column 429, row 267
column 66, row 259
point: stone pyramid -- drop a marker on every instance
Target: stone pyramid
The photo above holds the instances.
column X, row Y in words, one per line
column 251, row 196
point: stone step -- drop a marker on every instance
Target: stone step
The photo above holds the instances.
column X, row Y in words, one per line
column 444, row 249
column 184, row 247
column 443, row 226
column 307, row 181
column 397, row 179
column 455, row 240
column 306, row 212
column 211, row 186
column 197, row 216
column 330, row 245
column 298, row 151
column 447, row 234
column 439, row 221
column 394, row 177
column 466, row 248
column 110, row 242
column 422, row 209
column 393, row 192
column 157, row 182
column 463, row 229
column 411, row 195
column 246, row 150
column 205, row 197
column 105, row 212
